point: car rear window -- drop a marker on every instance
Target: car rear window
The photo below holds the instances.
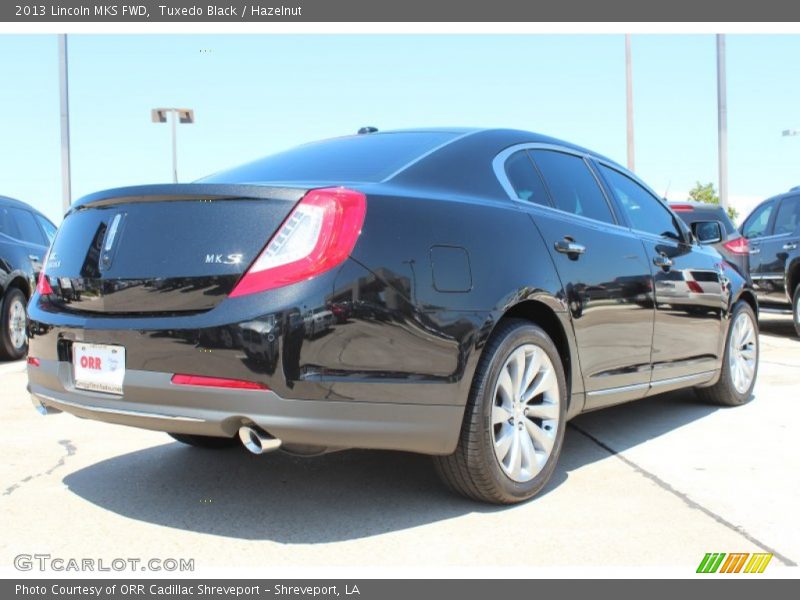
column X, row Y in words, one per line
column 363, row 158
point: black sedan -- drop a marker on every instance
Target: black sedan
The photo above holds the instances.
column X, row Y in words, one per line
column 454, row 292
column 25, row 234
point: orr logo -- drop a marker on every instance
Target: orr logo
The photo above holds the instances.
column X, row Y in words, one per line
column 734, row 562
column 91, row 362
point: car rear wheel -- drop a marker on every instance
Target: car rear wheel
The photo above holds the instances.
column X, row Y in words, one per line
column 14, row 342
column 515, row 419
column 796, row 309
column 740, row 363
column 205, row 441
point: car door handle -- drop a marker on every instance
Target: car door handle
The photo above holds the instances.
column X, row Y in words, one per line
column 569, row 246
column 755, row 250
column 790, row 246
column 663, row 261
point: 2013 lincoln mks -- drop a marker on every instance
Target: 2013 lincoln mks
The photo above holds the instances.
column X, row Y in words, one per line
column 458, row 293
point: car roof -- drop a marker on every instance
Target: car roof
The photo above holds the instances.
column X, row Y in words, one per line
column 7, row 201
column 513, row 136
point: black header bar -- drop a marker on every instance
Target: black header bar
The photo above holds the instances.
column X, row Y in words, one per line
column 177, row 11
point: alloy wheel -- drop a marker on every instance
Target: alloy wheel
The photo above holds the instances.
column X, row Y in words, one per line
column 742, row 352
column 525, row 412
column 17, row 324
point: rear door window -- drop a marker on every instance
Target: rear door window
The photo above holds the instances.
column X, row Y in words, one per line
column 757, row 223
column 572, row 186
column 48, row 228
column 28, row 229
column 525, row 179
column 787, row 219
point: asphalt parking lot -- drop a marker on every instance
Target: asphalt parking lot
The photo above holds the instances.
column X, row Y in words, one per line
column 655, row 483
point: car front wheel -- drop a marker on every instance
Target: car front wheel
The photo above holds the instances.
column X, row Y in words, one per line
column 515, row 418
column 740, row 362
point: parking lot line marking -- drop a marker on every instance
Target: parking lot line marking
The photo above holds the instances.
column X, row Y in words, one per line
column 691, row 503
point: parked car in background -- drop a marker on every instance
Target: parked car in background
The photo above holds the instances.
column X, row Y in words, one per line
column 773, row 231
column 489, row 285
column 733, row 246
column 25, row 235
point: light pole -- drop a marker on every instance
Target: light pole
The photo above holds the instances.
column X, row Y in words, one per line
column 629, row 100
column 63, row 80
column 179, row 115
column 722, row 122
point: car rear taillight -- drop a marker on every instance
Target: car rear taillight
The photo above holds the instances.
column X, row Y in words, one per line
column 42, row 283
column 220, row 382
column 319, row 234
column 739, row 245
column 33, row 361
column 681, row 207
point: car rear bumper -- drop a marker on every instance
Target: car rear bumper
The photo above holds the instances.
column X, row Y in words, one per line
column 152, row 401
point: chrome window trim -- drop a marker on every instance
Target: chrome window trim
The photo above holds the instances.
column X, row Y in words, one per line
column 499, row 164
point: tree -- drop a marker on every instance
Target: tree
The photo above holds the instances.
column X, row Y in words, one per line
column 706, row 193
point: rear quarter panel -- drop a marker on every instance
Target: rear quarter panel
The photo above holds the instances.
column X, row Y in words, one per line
column 426, row 283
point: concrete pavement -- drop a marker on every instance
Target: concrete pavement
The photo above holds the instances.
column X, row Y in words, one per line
column 654, row 483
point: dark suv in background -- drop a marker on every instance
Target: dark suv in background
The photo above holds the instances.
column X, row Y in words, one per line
column 773, row 232
column 25, row 235
column 733, row 245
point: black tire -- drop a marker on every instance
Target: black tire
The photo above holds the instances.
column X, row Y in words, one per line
column 205, row 441
column 724, row 392
column 10, row 346
column 474, row 470
column 796, row 309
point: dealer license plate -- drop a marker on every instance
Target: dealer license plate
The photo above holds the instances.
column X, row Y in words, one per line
column 98, row 367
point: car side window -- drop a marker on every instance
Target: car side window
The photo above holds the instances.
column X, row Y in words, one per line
column 525, row 179
column 28, row 229
column 756, row 224
column 573, row 188
column 787, row 219
column 48, row 228
column 645, row 212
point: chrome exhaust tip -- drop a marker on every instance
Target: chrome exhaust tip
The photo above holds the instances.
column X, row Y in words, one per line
column 257, row 440
column 41, row 408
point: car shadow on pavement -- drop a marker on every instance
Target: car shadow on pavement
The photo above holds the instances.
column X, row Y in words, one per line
column 618, row 428
column 340, row 496
column 777, row 326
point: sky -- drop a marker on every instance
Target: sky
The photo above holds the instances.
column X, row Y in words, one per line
column 254, row 95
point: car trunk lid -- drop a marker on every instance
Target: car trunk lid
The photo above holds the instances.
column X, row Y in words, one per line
column 161, row 249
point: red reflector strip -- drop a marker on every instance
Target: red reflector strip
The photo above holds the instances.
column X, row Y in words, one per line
column 681, row 207
column 694, row 287
column 33, row 361
column 221, row 382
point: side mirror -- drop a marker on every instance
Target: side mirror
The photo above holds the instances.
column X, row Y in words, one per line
column 707, row 232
